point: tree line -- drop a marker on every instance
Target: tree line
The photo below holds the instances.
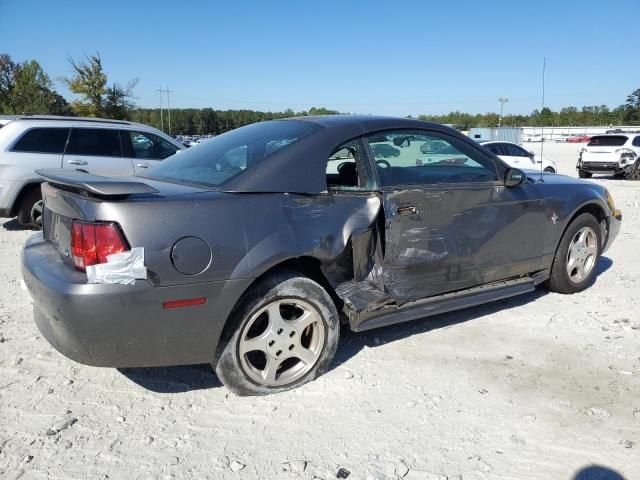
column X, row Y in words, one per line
column 626, row 114
column 25, row 88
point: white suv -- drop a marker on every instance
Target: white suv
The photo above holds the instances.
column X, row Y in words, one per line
column 101, row 147
column 516, row 156
column 618, row 154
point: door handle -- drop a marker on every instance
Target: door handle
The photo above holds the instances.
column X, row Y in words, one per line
column 76, row 162
column 143, row 165
column 407, row 210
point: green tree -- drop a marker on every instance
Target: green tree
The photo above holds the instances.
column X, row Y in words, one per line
column 118, row 100
column 97, row 99
column 26, row 89
column 632, row 107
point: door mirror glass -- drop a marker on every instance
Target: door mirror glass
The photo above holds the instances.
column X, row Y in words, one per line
column 514, row 177
column 532, row 155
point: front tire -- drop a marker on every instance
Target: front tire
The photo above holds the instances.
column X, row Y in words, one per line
column 583, row 174
column 635, row 172
column 549, row 170
column 576, row 259
column 283, row 333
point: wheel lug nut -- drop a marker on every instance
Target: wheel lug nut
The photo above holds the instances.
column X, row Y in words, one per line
column 278, row 353
column 279, row 332
column 291, row 347
column 271, row 343
column 292, row 333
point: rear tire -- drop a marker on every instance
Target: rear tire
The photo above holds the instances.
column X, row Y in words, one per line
column 575, row 263
column 30, row 209
column 283, row 333
column 583, row 174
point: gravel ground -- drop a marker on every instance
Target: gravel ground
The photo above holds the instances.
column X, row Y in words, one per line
column 537, row 387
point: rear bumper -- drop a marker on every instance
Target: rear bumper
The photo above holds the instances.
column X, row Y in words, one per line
column 602, row 167
column 123, row 325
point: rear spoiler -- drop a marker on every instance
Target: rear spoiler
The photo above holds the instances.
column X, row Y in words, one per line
column 103, row 186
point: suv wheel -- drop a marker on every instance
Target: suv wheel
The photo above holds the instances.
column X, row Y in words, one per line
column 283, row 334
column 583, row 174
column 30, row 209
column 574, row 266
column 635, row 172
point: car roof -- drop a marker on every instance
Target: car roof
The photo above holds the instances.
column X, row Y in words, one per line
column 368, row 123
column 301, row 166
column 21, row 122
column 57, row 120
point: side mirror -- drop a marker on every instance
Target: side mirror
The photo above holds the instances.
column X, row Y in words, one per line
column 514, row 177
column 532, row 155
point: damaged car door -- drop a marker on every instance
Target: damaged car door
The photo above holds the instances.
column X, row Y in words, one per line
column 451, row 223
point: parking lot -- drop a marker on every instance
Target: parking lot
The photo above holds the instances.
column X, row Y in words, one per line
column 536, row 387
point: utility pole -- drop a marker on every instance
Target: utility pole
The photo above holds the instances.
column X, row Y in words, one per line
column 502, row 101
column 161, row 118
column 168, row 92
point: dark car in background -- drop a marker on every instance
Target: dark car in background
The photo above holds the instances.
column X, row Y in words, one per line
column 384, row 150
column 257, row 249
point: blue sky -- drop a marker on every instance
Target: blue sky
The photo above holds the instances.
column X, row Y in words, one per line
column 390, row 57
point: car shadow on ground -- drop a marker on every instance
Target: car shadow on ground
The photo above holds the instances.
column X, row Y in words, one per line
column 173, row 379
column 197, row 377
column 14, row 226
column 597, row 472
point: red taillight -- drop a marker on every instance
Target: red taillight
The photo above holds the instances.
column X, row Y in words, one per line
column 92, row 242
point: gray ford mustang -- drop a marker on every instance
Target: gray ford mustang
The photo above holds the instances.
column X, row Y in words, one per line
column 260, row 244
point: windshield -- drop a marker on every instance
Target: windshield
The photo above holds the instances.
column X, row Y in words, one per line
column 608, row 141
column 215, row 161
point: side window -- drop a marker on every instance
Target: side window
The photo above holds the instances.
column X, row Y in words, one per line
column 43, row 140
column 495, row 148
column 342, row 167
column 514, row 150
column 94, row 142
column 420, row 157
column 636, row 141
column 150, row 146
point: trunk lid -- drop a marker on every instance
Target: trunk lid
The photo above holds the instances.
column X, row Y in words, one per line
column 70, row 195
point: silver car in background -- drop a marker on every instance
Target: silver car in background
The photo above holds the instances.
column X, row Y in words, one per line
column 92, row 145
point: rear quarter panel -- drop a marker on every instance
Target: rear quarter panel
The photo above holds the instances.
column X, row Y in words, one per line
column 247, row 233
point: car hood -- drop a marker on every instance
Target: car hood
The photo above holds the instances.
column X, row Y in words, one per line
column 554, row 178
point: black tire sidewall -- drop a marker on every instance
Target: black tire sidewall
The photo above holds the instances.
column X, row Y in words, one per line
column 560, row 281
column 283, row 285
column 26, row 205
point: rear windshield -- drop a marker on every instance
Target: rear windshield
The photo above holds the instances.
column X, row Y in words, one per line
column 213, row 162
column 608, row 141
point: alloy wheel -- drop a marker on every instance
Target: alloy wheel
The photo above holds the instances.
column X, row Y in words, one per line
column 582, row 254
column 281, row 342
